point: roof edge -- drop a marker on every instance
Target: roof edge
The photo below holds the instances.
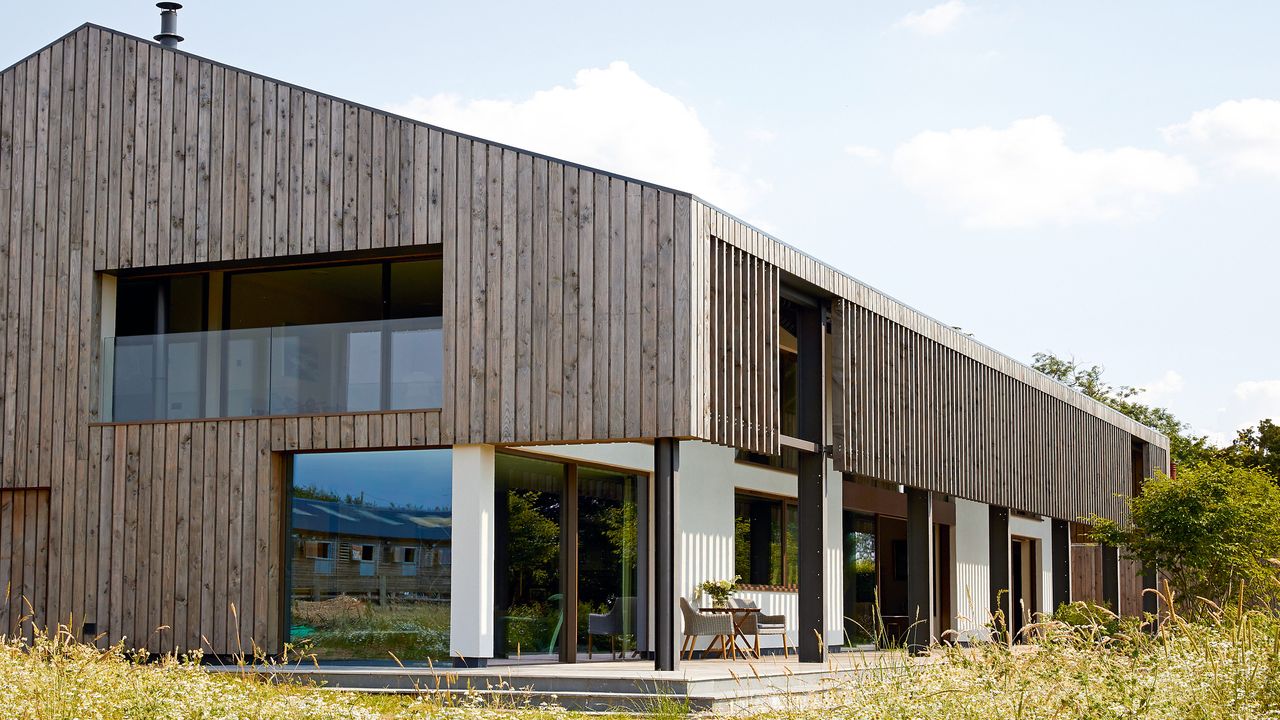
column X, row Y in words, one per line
column 352, row 103
column 1119, row 419
column 46, row 46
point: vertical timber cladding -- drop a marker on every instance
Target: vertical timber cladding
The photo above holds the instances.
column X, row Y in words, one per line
column 741, row 295
column 915, row 401
column 568, row 316
column 909, row 410
column 24, row 564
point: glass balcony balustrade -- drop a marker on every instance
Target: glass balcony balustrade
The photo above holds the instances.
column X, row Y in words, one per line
column 292, row 370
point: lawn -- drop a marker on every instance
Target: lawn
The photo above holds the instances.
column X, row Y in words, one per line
column 1226, row 665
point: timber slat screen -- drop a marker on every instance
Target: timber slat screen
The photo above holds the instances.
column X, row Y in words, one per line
column 919, row 403
column 910, row 410
column 742, row 394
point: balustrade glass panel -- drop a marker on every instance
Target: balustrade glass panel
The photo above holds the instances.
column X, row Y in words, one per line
column 303, row 369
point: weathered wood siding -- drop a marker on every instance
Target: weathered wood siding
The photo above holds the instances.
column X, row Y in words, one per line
column 173, row 535
column 910, row 410
column 24, row 564
column 117, row 155
column 918, row 403
column 741, row 405
column 568, row 315
column 190, row 161
column 560, row 281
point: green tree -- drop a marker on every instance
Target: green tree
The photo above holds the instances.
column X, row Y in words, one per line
column 1257, row 447
column 1185, row 448
column 1211, row 529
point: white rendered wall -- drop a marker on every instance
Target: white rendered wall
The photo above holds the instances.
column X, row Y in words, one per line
column 1041, row 530
column 471, row 576
column 972, row 592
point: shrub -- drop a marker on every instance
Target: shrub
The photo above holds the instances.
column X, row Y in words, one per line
column 1212, row 531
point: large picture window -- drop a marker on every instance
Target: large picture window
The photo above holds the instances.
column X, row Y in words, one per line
column 363, row 527
column 766, row 550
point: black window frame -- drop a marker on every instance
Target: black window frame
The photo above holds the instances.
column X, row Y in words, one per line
column 788, row 508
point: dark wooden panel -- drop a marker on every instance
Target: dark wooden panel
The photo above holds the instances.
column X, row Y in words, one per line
column 914, row 402
column 1086, row 572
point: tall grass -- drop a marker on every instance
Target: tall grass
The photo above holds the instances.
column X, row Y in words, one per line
column 1223, row 663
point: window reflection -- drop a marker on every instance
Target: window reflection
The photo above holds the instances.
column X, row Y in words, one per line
column 370, row 562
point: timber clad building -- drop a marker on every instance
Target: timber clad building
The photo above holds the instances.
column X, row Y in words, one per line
column 217, row 289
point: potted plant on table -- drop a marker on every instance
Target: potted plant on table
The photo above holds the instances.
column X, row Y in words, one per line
column 720, row 590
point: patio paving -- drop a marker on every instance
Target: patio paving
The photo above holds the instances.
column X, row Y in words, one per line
column 623, row 685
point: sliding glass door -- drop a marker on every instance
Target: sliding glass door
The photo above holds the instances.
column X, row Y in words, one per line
column 570, row 560
column 610, row 584
column 528, row 598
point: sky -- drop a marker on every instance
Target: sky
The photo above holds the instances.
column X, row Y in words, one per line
column 1095, row 179
column 380, row 477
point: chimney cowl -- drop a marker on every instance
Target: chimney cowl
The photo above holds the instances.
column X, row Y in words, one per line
column 169, row 36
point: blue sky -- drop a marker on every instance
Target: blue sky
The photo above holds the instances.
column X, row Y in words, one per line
column 1096, row 179
column 381, row 477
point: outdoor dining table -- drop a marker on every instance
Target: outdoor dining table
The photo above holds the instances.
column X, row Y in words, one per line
column 740, row 615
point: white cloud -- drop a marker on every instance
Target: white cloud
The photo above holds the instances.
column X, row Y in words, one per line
column 862, row 152
column 610, row 118
column 762, row 135
column 1265, row 393
column 1243, row 135
column 1160, row 390
column 1252, row 401
column 1215, row 437
column 1026, row 175
column 936, row 20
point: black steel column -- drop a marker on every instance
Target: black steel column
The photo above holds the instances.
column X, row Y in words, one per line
column 666, row 471
column 1061, row 563
column 919, row 569
column 1001, row 593
column 501, row 565
column 811, row 487
column 811, row 499
column 1111, row 578
column 569, row 565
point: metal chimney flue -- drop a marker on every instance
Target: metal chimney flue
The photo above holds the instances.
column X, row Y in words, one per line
column 169, row 36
